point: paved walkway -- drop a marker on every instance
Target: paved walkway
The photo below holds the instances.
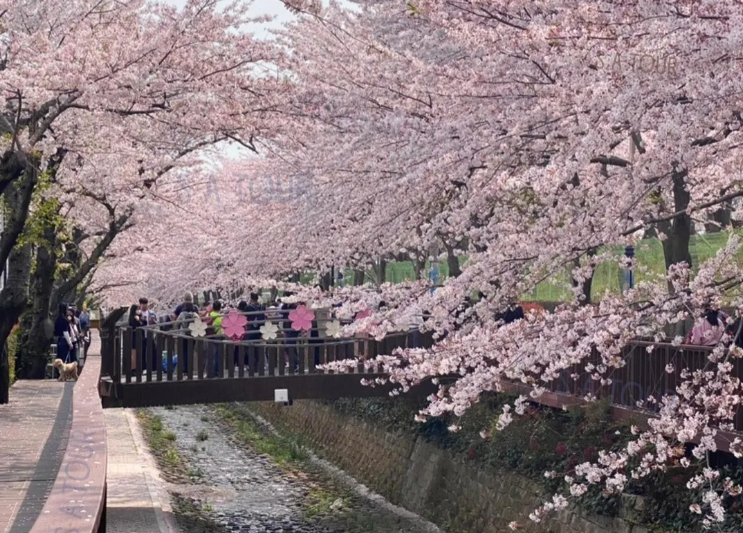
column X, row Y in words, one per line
column 137, row 499
column 34, row 431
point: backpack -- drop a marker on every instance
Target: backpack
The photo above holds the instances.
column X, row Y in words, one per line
column 186, row 317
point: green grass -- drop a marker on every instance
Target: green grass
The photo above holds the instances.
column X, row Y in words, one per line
column 202, row 435
column 285, row 451
column 162, row 444
column 319, row 501
column 607, row 278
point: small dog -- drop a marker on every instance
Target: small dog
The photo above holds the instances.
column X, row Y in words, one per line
column 67, row 371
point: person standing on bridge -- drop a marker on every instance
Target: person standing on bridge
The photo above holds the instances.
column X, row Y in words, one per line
column 187, row 301
column 214, row 328
column 290, row 351
column 256, row 318
column 185, row 314
column 135, row 322
column 145, row 317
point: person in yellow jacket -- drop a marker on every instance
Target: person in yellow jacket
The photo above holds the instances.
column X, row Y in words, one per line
column 215, row 319
column 214, row 327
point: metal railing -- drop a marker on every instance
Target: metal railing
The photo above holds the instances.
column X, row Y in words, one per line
column 168, row 351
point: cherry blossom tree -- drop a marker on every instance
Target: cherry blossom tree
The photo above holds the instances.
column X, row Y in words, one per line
column 535, row 138
column 542, row 136
column 103, row 98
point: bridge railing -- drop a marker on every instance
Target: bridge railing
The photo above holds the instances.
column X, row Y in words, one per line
column 169, row 352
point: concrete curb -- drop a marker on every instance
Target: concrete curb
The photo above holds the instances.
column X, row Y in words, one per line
column 159, row 495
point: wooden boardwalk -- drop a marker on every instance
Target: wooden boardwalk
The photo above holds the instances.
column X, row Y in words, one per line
column 34, row 433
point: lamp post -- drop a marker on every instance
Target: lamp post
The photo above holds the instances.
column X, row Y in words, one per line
column 629, row 273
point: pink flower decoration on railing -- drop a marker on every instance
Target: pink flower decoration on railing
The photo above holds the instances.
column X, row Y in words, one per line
column 366, row 313
column 234, row 325
column 302, row 318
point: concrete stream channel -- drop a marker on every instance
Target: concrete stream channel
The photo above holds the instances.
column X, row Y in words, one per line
column 228, row 472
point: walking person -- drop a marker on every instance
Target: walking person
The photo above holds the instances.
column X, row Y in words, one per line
column 63, row 335
column 84, row 321
column 77, row 337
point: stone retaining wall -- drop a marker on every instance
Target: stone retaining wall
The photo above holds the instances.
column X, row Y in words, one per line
column 427, row 480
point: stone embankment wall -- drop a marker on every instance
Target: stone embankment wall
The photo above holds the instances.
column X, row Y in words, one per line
column 429, row 481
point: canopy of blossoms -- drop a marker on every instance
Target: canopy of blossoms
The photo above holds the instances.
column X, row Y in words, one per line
column 533, row 137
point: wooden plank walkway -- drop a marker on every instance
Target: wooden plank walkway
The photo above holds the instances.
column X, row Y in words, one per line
column 34, row 432
column 77, row 500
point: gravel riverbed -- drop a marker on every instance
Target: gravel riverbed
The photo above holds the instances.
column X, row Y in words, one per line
column 232, row 488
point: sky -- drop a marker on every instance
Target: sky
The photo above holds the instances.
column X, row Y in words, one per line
column 261, row 31
column 260, row 7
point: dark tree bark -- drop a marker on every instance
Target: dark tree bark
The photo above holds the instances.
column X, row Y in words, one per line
column 381, row 271
column 13, row 300
column 18, row 199
column 36, row 324
column 418, row 267
column 116, row 225
column 326, row 280
column 722, row 218
column 452, row 262
column 678, row 230
column 358, row 277
column 587, row 284
column 678, row 235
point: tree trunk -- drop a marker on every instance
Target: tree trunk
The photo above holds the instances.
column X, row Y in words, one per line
column 452, row 261
column 358, row 277
column 678, row 230
column 678, row 234
column 326, row 280
column 587, row 284
column 418, row 266
column 21, row 182
column 69, row 286
column 381, row 271
column 37, row 327
column 18, row 197
column 13, row 300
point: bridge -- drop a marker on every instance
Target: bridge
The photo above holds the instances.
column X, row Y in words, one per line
column 166, row 364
